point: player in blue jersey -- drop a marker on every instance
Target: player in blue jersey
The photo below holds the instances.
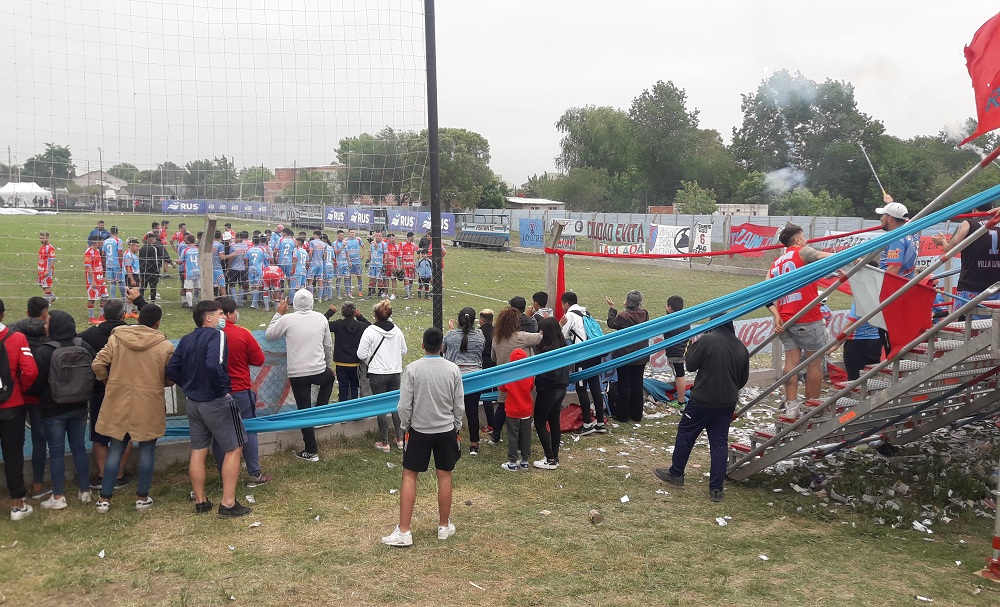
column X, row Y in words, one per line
column 218, row 276
column 192, row 272
column 329, row 268
column 181, row 247
column 130, row 273
column 376, row 267
column 317, row 263
column 256, row 259
column 300, row 268
column 272, row 241
column 341, row 264
column 355, row 250
column 113, row 252
column 284, row 252
column 237, row 278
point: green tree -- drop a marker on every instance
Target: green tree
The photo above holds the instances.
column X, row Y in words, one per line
column 801, row 201
column 252, row 180
column 752, row 190
column 309, row 187
column 582, row 189
column 494, row 195
column 214, row 179
column 692, row 199
column 126, row 171
column 386, row 163
column 665, row 130
column 596, row 138
column 53, row 168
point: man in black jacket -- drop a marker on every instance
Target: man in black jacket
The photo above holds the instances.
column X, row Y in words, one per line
column 346, row 334
column 723, row 366
column 33, row 328
column 150, row 260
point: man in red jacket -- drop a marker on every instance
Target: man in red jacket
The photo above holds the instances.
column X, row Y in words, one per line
column 244, row 352
column 13, row 412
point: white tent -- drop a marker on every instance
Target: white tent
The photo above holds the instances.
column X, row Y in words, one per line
column 22, row 194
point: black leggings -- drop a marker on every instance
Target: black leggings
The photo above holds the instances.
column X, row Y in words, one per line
column 594, row 383
column 630, row 397
column 302, row 391
column 12, row 445
column 472, row 416
column 150, row 280
column 548, row 407
column 861, row 352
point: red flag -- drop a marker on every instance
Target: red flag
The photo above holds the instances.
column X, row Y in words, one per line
column 560, row 287
column 749, row 236
column 906, row 317
column 844, row 287
column 983, row 59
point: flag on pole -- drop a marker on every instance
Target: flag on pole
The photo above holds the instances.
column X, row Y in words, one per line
column 983, row 59
column 906, row 317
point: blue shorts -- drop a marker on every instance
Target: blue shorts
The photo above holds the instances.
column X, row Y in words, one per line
column 344, row 269
column 316, row 272
column 328, row 272
column 375, row 271
column 218, row 278
column 114, row 274
column 297, row 281
column 256, row 278
column 286, row 268
column 355, row 268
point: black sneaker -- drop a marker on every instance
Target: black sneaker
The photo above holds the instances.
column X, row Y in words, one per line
column 306, row 456
column 600, row 428
column 234, row 511
column 473, row 450
column 716, row 495
column 203, row 507
column 125, row 480
column 97, row 482
column 664, row 475
column 585, row 429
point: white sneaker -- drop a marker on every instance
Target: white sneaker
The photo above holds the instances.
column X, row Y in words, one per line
column 54, row 504
column 792, row 409
column 145, row 504
column 103, row 506
column 446, row 532
column 398, row 538
column 544, row 464
column 17, row 514
column 84, row 497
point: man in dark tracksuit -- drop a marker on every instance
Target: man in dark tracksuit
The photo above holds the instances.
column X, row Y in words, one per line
column 723, row 366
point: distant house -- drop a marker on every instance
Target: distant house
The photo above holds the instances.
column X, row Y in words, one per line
column 99, row 178
column 753, row 210
column 535, row 204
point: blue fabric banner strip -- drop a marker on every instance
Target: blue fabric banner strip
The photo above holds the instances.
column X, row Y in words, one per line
column 731, row 307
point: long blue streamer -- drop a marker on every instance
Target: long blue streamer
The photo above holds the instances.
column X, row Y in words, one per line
column 731, row 307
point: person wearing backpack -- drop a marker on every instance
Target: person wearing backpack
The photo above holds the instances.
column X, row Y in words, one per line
column 17, row 373
column 575, row 321
column 64, row 385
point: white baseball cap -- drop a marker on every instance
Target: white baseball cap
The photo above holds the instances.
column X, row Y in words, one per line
column 893, row 209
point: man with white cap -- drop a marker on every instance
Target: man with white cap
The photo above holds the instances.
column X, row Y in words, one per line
column 900, row 257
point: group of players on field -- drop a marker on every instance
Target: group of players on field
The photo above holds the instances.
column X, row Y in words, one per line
column 264, row 264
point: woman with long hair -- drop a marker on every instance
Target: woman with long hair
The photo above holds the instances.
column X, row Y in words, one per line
column 550, row 390
column 630, row 395
column 381, row 350
column 508, row 336
column 463, row 345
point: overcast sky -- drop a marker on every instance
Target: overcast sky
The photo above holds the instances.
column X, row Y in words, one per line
column 185, row 79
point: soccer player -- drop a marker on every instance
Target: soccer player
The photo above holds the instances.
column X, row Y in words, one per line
column 93, row 273
column 113, row 252
column 178, row 239
column 376, row 265
column 229, row 230
column 46, row 265
column 425, row 271
column 355, row 249
column 408, row 261
column 181, row 271
column 236, row 257
column 274, row 237
column 256, row 259
column 392, row 268
column 130, row 266
column 218, row 276
column 342, row 264
column 300, row 267
column 317, row 264
column 272, row 278
column 329, row 269
column 192, row 273
column 284, row 252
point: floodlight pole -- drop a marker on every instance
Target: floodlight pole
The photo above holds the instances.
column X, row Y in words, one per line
column 433, row 151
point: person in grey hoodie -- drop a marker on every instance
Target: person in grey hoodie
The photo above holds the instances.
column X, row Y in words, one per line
column 309, row 349
column 381, row 350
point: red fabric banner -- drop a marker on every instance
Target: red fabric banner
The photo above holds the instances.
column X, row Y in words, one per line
column 983, row 59
column 749, row 240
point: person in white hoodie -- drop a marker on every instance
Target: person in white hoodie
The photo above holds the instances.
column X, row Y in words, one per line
column 573, row 330
column 309, row 349
column 381, row 350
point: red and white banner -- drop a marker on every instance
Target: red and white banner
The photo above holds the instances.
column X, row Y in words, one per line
column 749, row 236
column 906, row 317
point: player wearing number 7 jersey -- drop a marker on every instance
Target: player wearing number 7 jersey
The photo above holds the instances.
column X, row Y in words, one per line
column 808, row 334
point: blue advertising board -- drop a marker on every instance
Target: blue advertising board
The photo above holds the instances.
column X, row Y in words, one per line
column 232, row 207
column 335, row 215
column 196, row 207
column 447, row 223
column 532, row 233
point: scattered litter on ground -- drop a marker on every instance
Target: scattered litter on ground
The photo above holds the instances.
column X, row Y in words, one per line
column 545, row 512
column 100, row 554
column 254, row 525
column 625, row 499
column 721, row 521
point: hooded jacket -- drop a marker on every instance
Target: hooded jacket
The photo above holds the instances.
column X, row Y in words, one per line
column 307, row 337
column 23, row 370
column 624, row 320
column 200, row 365
column 519, row 403
column 723, row 366
column 33, row 330
column 388, row 358
column 346, row 338
column 62, row 329
column 133, row 365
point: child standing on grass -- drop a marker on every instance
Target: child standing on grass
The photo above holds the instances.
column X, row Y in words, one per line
column 519, row 408
column 425, row 270
column 675, row 353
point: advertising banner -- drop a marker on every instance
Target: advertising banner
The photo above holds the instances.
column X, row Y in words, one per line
column 401, row 221
column 447, row 223
column 749, row 236
column 532, row 233
column 183, row 206
column 336, row 216
column 616, row 232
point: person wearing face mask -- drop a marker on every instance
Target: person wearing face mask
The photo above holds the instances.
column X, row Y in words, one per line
column 199, row 366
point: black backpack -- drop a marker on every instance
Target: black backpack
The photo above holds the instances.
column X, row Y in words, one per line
column 6, row 379
column 71, row 377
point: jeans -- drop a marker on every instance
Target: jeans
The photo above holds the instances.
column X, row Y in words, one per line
column 349, row 383
column 72, row 425
column 302, row 392
column 472, row 415
column 629, row 403
column 12, row 448
column 594, row 383
column 147, row 460
column 715, row 421
column 246, row 401
column 548, row 407
column 382, row 383
column 518, row 438
column 39, row 446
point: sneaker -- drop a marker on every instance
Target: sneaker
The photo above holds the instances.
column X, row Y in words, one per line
column 664, row 475
column 398, row 538
column 523, row 464
column 94, row 321
column 41, row 494
column 446, row 532
column 54, row 504
column 84, row 497
column 235, row 511
column 383, row 447
column 203, row 507
column 96, row 482
column 488, row 430
column 399, row 445
column 600, row 428
column 103, row 506
column 306, row 456
column 509, row 466
column 473, row 450
column 546, row 464
column 124, row 481
column 585, row 429
column 262, row 479
column 144, row 504
column 792, row 409
column 493, row 441
column 716, row 495
column 17, row 514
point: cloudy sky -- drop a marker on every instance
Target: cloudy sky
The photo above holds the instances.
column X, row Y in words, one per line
column 272, row 82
